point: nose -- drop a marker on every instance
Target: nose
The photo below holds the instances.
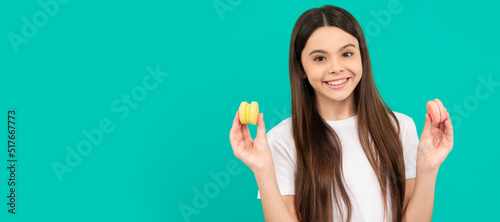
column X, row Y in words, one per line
column 335, row 66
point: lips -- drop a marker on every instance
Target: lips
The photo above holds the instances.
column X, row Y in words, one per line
column 340, row 86
column 337, row 79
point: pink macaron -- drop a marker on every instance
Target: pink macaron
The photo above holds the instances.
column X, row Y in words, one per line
column 434, row 111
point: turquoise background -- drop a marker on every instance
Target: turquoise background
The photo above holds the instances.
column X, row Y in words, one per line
column 67, row 76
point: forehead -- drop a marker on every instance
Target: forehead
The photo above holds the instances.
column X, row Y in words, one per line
column 329, row 38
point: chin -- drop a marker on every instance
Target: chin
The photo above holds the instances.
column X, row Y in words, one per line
column 338, row 99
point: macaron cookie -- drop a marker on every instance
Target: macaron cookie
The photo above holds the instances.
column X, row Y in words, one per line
column 436, row 110
column 249, row 112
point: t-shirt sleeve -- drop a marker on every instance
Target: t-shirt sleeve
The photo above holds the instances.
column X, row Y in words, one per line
column 410, row 144
column 284, row 165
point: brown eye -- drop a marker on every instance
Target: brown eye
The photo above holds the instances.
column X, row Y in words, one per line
column 345, row 54
column 319, row 58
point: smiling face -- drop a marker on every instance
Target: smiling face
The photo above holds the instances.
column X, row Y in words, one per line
column 332, row 62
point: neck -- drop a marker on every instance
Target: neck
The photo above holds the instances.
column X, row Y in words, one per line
column 332, row 110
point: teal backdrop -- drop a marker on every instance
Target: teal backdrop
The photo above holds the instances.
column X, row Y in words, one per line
column 123, row 109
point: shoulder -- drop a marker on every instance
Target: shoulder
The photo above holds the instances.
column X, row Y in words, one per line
column 410, row 141
column 409, row 135
column 282, row 131
column 281, row 142
column 404, row 120
column 402, row 117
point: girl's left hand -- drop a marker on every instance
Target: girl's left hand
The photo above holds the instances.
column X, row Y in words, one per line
column 436, row 140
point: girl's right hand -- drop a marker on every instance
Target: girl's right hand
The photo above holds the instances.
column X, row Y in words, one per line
column 256, row 154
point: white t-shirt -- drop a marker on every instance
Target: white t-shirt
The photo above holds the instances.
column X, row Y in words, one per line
column 362, row 183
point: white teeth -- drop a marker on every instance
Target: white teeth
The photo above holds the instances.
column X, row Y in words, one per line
column 338, row 82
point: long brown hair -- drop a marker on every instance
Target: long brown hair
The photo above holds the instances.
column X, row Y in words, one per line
column 319, row 152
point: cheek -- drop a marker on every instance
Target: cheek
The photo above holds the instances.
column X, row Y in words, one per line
column 313, row 71
column 306, row 67
column 356, row 67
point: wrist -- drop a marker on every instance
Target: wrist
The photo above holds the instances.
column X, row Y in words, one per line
column 264, row 170
column 426, row 168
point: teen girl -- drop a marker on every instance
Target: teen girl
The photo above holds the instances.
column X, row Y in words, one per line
column 343, row 155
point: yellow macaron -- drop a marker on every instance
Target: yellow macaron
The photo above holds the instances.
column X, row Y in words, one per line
column 249, row 113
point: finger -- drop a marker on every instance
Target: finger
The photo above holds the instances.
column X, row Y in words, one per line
column 446, row 115
column 442, row 111
column 235, row 133
column 449, row 132
column 245, row 132
column 433, row 123
column 426, row 132
column 433, row 111
column 243, row 128
column 261, row 127
column 236, row 125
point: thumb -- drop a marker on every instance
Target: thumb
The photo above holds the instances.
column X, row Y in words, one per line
column 426, row 132
column 261, row 127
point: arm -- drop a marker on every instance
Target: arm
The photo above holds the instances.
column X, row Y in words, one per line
column 421, row 203
column 436, row 141
column 256, row 154
column 273, row 204
column 409, row 188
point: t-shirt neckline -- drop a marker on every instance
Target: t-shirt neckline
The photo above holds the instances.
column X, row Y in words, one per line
column 344, row 122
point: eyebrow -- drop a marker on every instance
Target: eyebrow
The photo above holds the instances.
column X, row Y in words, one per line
column 341, row 48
